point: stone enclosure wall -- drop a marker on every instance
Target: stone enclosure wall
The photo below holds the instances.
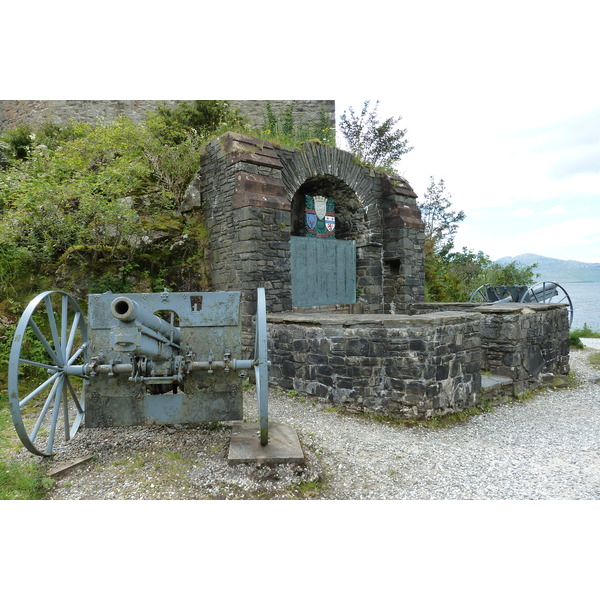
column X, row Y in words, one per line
column 527, row 343
column 422, row 365
column 411, row 367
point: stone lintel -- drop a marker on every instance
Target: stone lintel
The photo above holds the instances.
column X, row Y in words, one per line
column 396, row 187
column 259, row 190
column 243, row 148
column 403, row 215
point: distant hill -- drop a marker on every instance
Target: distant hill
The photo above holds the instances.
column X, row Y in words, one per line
column 554, row 269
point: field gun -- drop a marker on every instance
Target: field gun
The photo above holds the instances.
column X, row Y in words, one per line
column 142, row 359
column 546, row 292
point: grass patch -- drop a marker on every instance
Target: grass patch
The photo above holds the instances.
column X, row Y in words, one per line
column 310, row 490
column 20, row 481
column 594, row 359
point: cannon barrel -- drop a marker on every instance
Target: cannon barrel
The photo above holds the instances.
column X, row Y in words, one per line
column 542, row 292
column 128, row 310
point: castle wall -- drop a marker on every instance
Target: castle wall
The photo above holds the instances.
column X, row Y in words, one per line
column 35, row 112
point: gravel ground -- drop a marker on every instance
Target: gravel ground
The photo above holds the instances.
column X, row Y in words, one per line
column 547, row 447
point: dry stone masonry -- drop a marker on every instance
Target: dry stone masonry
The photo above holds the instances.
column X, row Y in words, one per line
column 411, row 367
column 526, row 343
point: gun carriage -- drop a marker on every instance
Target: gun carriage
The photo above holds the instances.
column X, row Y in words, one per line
column 164, row 358
column 546, row 292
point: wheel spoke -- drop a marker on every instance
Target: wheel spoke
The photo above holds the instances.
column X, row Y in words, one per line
column 72, row 335
column 43, row 412
column 66, row 409
column 74, row 395
column 77, row 354
column 39, row 389
column 40, row 336
column 52, row 323
column 64, row 321
column 33, row 363
column 55, row 411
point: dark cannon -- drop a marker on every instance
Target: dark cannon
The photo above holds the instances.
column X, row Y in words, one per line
column 547, row 292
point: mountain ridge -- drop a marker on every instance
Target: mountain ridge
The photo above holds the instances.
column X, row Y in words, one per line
column 556, row 269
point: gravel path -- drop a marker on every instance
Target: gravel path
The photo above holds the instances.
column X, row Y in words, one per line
column 547, row 447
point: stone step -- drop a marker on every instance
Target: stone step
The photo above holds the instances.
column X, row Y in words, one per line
column 494, row 382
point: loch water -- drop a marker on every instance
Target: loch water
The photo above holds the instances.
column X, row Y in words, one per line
column 586, row 304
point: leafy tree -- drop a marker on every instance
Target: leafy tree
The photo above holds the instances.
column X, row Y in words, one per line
column 452, row 276
column 441, row 223
column 373, row 142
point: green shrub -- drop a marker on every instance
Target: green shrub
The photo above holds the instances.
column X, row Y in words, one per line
column 585, row 332
column 575, row 341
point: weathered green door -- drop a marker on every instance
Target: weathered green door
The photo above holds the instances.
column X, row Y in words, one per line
column 323, row 271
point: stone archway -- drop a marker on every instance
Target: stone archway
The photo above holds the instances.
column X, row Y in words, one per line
column 323, row 259
column 378, row 212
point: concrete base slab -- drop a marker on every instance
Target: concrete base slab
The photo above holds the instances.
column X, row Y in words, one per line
column 490, row 383
column 283, row 446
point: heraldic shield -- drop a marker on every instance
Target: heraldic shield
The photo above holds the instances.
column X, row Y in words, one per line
column 320, row 216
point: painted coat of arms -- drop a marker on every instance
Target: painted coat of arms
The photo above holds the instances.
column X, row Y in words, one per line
column 320, row 216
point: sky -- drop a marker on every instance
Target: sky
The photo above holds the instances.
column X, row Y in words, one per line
column 505, row 107
column 501, row 100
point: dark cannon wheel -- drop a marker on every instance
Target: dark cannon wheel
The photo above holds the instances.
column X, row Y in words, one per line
column 480, row 294
column 46, row 381
column 549, row 292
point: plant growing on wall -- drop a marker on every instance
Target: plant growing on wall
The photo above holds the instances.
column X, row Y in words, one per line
column 284, row 129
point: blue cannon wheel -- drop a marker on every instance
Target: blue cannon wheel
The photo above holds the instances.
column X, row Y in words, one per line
column 261, row 366
column 46, row 382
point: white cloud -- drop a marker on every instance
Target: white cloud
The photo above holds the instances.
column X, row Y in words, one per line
column 574, row 239
column 521, row 212
column 559, row 209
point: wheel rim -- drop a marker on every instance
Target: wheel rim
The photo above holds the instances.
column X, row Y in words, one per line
column 541, row 293
column 480, row 294
column 261, row 371
column 46, row 380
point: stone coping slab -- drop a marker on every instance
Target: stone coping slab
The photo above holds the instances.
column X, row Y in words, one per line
column 344, row 320
column 490, row 307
